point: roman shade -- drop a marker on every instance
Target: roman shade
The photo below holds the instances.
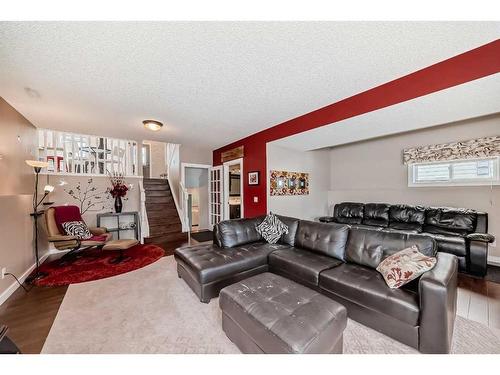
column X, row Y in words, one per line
column 485, row 147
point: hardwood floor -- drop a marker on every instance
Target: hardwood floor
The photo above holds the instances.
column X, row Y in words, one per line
column 30, row 316
column 479, row 300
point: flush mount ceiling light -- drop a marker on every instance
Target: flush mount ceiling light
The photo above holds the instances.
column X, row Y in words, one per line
column 152, row 125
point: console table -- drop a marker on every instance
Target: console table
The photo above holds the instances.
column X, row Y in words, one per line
column 123, row 224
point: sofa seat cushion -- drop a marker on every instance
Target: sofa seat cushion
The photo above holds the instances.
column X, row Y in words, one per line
column 366, row 287
column 450, row 244
column 211, row 263
column 301, row 265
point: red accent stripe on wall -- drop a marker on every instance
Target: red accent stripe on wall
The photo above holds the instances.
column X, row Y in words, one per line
column 463, row 68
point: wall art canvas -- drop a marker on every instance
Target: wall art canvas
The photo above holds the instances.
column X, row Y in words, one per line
column 289, row 183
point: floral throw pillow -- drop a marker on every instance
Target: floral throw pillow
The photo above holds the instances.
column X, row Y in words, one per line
column 272, row 228
column 78, row 229
column 404, row 266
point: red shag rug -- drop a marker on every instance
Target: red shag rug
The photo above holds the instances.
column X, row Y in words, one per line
column 95, row 264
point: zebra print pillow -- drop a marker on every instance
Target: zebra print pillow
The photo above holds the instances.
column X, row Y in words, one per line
column 272, row 228
column 78, row 229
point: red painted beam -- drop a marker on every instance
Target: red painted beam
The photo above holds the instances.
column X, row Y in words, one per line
column 474, row 64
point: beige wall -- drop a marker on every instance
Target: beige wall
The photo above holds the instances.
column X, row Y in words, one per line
column 373, row 171
column 316, row 163
column 158, row 165
column 17, row 143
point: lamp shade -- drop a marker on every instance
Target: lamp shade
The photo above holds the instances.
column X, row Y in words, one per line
column 48, row 189
column 37, row 163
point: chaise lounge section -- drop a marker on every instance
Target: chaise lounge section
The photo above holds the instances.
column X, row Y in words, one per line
column 338, row 261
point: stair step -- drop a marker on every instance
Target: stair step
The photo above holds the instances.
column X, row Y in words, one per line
column 162, row 230
column 159, row 206
column 158, row 200
column 156, row 187
column 158, row 193
column 166, row 214
column 166, row 238
column 155, row 180
column 163, row 221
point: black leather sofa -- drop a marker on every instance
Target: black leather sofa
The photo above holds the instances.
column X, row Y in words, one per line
column 339, row 261
column 458, row 231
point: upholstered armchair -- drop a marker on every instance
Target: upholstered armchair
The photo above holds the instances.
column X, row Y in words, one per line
column 55, row 216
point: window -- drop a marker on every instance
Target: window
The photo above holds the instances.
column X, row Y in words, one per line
column 69, row 153
column 457, row 172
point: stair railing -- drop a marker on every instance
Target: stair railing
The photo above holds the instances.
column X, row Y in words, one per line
column 143, row 216
column 186, row 223
column 181, row 206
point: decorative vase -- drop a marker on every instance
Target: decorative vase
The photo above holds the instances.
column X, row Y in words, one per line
column 118, row 204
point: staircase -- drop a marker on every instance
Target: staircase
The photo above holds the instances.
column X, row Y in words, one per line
column 164, row 222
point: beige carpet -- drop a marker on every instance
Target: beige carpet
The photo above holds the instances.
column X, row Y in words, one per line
column 150, row 310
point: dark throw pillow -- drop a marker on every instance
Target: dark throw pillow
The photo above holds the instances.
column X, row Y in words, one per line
column 272, row 228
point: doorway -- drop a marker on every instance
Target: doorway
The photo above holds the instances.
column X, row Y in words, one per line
column 195, row 179
column 233, row 189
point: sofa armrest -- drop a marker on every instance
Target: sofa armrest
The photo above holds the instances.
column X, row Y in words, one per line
column 438, row 305
column 97, row 231
column 481, row 237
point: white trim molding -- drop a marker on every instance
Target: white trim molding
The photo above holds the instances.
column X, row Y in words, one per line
column 14, row 286
column 493, row 260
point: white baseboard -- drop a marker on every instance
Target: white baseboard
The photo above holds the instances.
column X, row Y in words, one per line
column 494, row 261
column 13, row 287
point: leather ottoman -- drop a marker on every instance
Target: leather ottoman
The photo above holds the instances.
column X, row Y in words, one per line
column 268, row 313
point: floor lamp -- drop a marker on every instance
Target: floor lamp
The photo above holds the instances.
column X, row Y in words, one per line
column 37, row 167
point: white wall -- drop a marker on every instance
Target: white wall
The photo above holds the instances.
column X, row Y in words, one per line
column 317, row 164
column 373, row 171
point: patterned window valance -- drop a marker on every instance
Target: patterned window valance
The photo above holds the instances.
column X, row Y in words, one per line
column 473, row 149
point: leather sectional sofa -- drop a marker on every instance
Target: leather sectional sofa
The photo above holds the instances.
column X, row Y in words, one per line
column 461, row 232
column 339, row 261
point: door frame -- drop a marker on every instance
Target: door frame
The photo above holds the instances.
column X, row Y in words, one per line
column 183, row 180
column 225, row 167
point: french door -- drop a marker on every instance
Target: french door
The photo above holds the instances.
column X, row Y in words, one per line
column 216, row 195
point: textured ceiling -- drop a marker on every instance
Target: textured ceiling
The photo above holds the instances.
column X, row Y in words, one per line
column 210, row 82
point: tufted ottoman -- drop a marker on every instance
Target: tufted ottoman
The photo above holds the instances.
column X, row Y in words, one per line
column 270, row 314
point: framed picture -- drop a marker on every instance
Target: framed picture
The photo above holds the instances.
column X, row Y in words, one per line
column 253, row 178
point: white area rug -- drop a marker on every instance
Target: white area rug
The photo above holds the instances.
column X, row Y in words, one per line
column 151, row 310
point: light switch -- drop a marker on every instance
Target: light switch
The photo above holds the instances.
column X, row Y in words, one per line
column 255, row 199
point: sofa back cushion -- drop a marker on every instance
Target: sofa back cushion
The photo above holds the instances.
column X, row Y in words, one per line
column 292, row 224
column 451, row 221
column 238, row 232
column 369, row 247
column 323, row 238
column 404, row 217
column 348, row 213
column 376, row 214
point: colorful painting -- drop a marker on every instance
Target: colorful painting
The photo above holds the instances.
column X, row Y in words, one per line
column 289, row 183
column 253, row 178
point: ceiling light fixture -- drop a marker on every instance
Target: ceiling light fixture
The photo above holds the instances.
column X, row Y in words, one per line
column 152, row 125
